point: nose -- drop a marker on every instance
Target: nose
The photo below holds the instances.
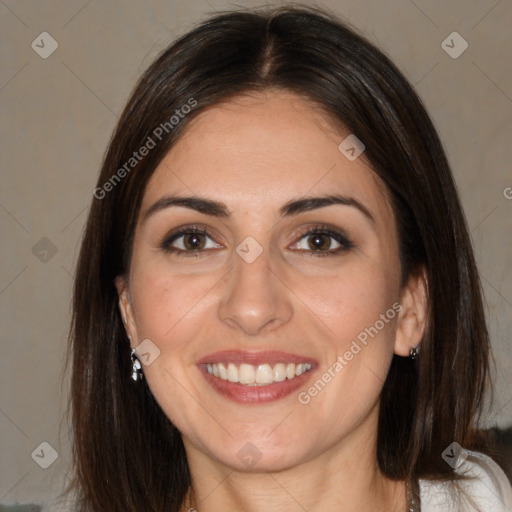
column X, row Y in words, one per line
column 255, row 299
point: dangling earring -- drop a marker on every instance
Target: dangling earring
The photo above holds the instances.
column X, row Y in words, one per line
column 414, row 352
column 137, row 373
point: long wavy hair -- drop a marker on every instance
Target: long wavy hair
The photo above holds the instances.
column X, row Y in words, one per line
column 127, row 454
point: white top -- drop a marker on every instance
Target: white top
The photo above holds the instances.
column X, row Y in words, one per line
column 490, row 489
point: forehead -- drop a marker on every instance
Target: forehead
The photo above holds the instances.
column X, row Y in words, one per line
column 261, row 150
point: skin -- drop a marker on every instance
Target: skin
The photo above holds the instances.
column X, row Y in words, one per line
column 255, row 153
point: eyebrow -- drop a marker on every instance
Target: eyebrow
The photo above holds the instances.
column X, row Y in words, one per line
column 219, row 209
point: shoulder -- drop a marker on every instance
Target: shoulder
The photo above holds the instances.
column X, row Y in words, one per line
column 486, row 488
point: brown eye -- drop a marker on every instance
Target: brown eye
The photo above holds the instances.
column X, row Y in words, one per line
column 319, row 242
column 189, row 241
column 193, row 241
column 323, row 241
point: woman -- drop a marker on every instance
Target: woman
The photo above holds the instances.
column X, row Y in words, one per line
column 276, row 304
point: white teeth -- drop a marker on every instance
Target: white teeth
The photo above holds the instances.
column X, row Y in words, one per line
column 223, row 373
column 261, row 375
column 264, row 374
column 247, row 374
column 232, row 373
column 279, row 372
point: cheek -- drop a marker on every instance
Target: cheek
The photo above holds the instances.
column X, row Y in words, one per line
column 170, row 311
column 352, row 300
column 165, row 303
column 359, row 308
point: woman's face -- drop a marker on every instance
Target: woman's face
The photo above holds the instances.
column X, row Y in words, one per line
column 281, row 271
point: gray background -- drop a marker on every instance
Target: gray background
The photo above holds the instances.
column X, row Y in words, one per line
column 58, row 114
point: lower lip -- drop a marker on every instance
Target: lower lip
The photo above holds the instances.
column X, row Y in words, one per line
column 246, row 394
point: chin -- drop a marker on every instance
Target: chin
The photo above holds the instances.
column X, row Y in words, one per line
column 257, row 454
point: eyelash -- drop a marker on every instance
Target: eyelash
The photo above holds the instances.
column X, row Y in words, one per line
column 320, row 229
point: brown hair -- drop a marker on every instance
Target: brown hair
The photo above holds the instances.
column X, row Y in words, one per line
column 128, row 456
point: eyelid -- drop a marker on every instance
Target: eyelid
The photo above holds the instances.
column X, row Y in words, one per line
column 333, row 232
column 181, row 231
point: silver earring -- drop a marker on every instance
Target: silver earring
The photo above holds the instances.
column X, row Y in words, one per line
column 413, row 353
column 136, row 367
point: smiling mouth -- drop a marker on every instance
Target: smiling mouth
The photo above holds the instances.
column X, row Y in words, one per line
column 260, row 375
column 256, row 377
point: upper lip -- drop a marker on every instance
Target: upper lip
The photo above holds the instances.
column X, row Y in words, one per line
column 254, row 357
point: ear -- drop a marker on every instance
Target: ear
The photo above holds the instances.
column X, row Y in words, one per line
column 413, row 315
column 125, row 308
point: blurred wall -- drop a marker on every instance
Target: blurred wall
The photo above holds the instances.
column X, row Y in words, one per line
column 58, row 111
